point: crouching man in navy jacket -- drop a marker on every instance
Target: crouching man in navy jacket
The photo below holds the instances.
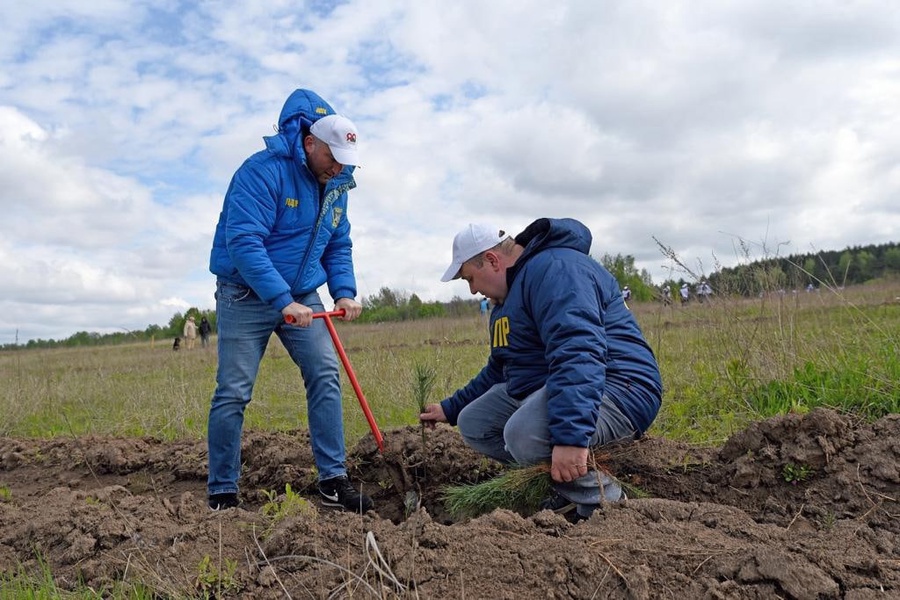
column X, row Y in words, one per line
column 569, row 368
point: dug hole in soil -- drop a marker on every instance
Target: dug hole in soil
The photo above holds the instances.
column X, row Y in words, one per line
column 801, row 507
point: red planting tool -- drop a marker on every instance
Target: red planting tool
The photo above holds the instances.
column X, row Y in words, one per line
column 326, row 316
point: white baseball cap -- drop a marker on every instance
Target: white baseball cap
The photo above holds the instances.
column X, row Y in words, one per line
column 339, row 133
column 469, row 243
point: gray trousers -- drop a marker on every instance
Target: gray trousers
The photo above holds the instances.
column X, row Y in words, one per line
column 518, row 432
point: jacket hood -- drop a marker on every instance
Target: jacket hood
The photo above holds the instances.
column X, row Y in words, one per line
column 305, row 104
column 555, row 233
column 550, row 233
column 301, row 109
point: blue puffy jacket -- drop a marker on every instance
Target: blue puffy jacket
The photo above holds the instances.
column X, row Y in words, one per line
column 279, row 233
column 564, row 324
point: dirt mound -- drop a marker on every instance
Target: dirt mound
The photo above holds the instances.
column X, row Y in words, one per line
column 792, row 507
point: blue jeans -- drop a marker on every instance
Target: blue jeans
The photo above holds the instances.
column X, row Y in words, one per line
column 245, row 324
column 518, row 432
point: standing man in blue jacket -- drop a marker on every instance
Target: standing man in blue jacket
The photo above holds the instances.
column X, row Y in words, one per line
column 283, row 232
column 569, row 368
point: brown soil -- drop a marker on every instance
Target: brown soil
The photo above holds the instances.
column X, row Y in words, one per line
column 792, row 507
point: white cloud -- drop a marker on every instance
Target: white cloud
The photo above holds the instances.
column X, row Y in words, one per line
column 701, row 124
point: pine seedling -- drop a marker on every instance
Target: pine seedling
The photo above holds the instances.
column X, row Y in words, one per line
column 423, row 384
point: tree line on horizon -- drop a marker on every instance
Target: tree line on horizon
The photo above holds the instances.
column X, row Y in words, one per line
column 836, row 268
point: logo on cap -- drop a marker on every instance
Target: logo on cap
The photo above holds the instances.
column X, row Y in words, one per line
column 351, row 137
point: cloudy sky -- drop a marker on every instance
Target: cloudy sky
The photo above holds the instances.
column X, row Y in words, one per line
column 708, row 125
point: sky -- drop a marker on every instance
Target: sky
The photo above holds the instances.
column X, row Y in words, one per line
column 725, row 131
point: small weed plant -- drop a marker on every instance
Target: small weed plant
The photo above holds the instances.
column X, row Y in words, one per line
column 794, row 474
column 212, row 581
column 285, row 505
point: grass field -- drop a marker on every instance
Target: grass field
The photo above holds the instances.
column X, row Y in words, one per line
column 724, row 364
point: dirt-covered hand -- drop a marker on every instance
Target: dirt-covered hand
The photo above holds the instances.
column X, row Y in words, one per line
column 433, row 415
column 568, row 463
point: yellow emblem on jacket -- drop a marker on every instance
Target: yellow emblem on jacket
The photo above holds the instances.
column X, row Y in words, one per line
column 501, row 333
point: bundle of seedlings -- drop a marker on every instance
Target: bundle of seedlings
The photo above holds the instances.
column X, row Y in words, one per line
column 521, row 489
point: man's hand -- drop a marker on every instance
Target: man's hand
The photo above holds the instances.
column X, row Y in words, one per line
column 351, row 307
column 433, row 415
column 568, row 463
column 298, row 315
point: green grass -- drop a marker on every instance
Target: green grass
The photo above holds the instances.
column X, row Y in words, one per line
column 724, row 364
column 737, row 360
column 22, row 585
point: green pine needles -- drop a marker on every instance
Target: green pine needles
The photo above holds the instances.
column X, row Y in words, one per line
column 520, row 489
column 422, row 385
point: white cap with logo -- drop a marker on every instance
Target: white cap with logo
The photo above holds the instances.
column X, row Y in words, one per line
column 339, row 133
column 469, row 243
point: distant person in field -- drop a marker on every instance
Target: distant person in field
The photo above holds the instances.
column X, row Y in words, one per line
column 485, row 305
column 666, row 295
column 685, row 292
column 190, row 333
column 205, row 331
column 567, row 372
column 626, row 293
column 282, row 234
column 704, row 291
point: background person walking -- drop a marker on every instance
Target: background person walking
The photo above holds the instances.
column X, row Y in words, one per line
column 205, row 331
column 190, row 333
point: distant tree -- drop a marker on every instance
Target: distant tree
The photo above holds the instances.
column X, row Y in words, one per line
column 844, row 265
column 394, row 305
column 458, row 307
column 385, row 298
column 892, row 260
column 175, row 324
column 865, row 262
column 626, row 273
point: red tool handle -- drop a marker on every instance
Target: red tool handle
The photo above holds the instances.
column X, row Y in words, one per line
column 331, row 313
column 350, row 374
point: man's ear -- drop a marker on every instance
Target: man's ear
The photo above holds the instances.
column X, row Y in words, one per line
column 492, row 259
column 309, row 143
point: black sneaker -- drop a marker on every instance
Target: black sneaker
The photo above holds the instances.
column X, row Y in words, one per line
column 223, row 501
column 584, row 511
column 338, row 492
column 558, row 504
